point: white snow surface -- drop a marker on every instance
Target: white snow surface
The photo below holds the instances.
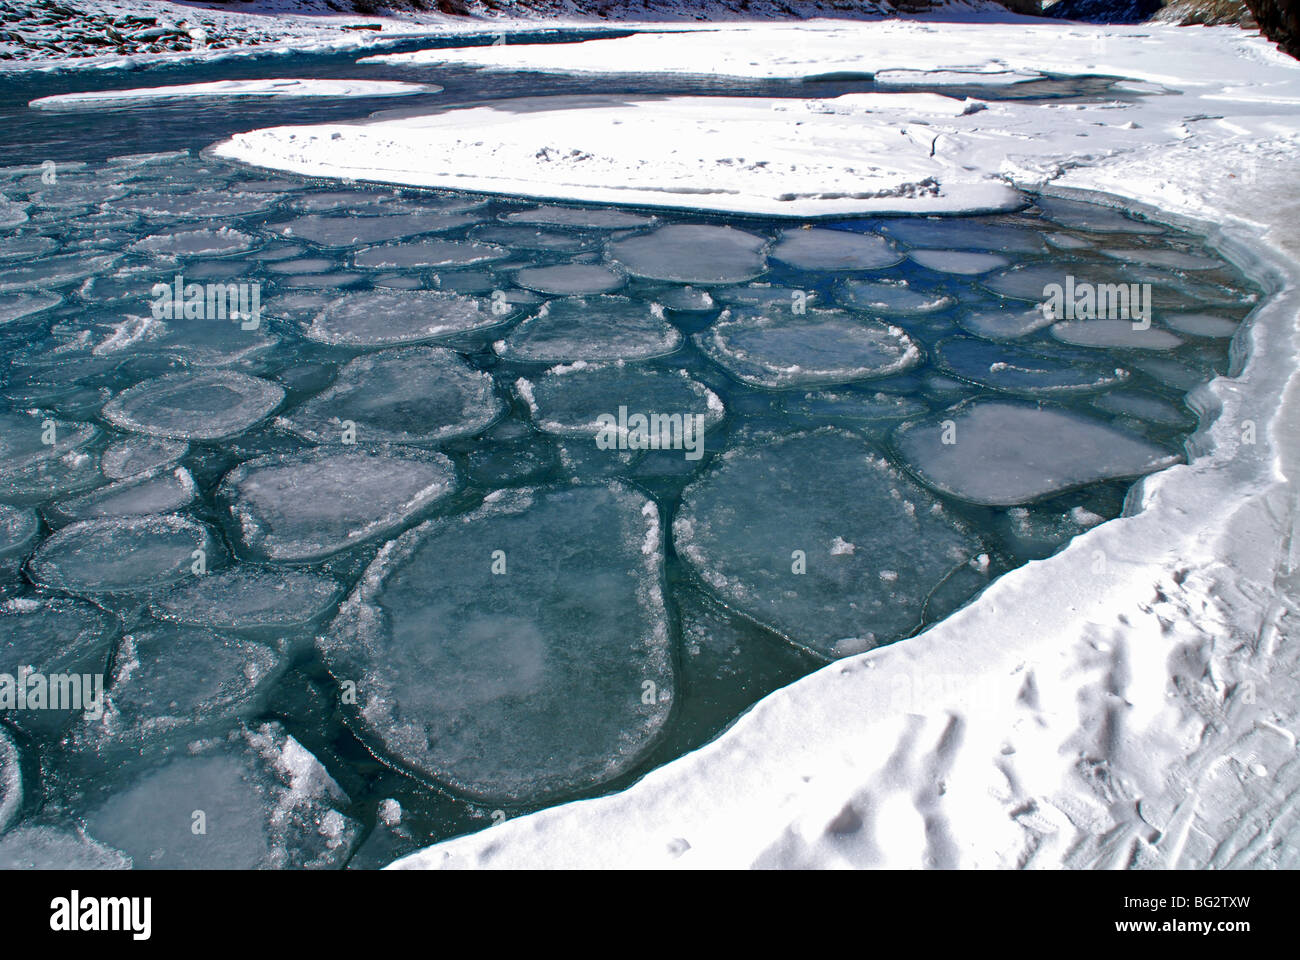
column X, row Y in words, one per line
column 286, row 87
column 1131, row 701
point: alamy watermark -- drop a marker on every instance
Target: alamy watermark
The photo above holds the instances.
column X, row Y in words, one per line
column 654, row 431
column 1081, row 300
column 32, row 690
column 241, row 302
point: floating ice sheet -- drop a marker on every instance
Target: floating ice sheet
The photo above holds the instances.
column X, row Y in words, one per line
column 18, row 529
column 206, row 242
column 376, row 318
column 201, row 205
column 11, row 785
column 570, row 279
column 208, row 405
column 40, row 847
column 42, row 457
column 1000, row 453
column 550, row 677
column 818, row 537
column 897, row 298
column 1115, row 334
column 777, row 351
column 570, row 401
column 55, row 271
column 173, row 684
column 407, row 395
column 25, row 248
column 1004, row 323
column 692, row 253
column 960, row 234
column 962, row 262
column 591, row 329
column 164, row 491
column 1202, row 324
column 823, row 249
column 310, row 505
column 248, row 598
column 351, row 231
column 429, row 253
column 582, row 218
column 1015, row 369
column 16, row 306
column 121, row 555
column 267, row 804
column 1092, row 217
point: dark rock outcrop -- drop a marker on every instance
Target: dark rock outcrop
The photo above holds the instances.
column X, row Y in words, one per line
column 1279, row 20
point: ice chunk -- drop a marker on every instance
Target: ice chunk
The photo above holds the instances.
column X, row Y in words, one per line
column 122, row 555
column 692, row 253
column 408, row 395
column 25, row 248
column 765, row 295
column 378, row 318
column 352, row 231
column 429, row 253
column 580, row 218
column 41, row 457
column 206, row 242
column 685, row 299
column 818, row 537
column 134, row 455
column 592, row 328
column 203, row 205
column 777, row 351
column 18, row 529
column 164, row 491
column 267, row 803
column 960, row 233
column 1034, row 281
column 248, row 598
column 1004, row 322
column 15, row 306
column 1122, row 334
column 1143, row 406
column 296, row 306
column 1202, row 325
column 56, row 848
column 68, row 192
column 823, row 249
column 208, row 405
column 570, row 278
column 569, row 401
column 309, row 265
column 1001, row 453
column 1091, row 217
column 1161, row 257
column 551, row 676
column 55, row 636
column 1015, row 369
column 892, row 297
column 173, row 684
column 860, row 407
column 1067, row 241
column 11, row 784
column 958, row 261
column 533, row 238
column 309, row 505
column 55, row 271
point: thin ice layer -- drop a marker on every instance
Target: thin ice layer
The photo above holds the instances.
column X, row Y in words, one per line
column 310, row 505
column 591, row 329
column 121, row 555
column 267, row 803
column 818, row 537
column 822, row 249
column 245, row 597
column 1000, row 453
column 378, row 318
column 570, row 401
column 692, row 253
column 779, row 350
column 212, row 405
column 408, row 395
column 518, row 652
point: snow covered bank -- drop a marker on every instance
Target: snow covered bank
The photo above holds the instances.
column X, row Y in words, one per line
column 236, row 88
